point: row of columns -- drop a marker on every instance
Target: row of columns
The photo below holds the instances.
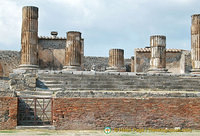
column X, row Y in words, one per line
column 75, row 47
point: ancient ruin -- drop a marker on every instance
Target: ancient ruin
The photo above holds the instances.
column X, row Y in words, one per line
column 1, row 71
column 74, row 51
column 158, row 54
column 116, row 61
column 54, row 85
column 29, row 38
column 195, row 44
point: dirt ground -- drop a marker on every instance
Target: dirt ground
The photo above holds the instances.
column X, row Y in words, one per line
column 91, row 133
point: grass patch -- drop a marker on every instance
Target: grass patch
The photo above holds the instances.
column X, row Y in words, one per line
column 7, row 131
column 44, row 134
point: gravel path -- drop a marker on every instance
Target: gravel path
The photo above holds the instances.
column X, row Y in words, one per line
column 91, row 133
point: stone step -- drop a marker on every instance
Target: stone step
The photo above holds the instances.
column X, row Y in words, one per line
column 51, row 81
column 34, row 96
column 48, row 127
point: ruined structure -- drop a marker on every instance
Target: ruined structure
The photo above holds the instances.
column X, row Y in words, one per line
column 195, row 44
column 116, row 61
column 1, row 70
column 54, row 84
column 158, row 54
column 29, row 38
column 73, row 55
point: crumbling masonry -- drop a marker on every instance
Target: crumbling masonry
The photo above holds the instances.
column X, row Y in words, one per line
column 54, row 84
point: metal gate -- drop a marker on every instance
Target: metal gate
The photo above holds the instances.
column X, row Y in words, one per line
column 35, row 111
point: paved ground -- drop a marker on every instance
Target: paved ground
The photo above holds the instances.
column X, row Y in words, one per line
column 91, row 133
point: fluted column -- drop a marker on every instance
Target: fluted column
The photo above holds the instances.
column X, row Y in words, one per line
column 116, row 61
column 158, row 54
column 1, row 71
column 82, row 53
column 132, row 64
column 73, row 51
column 195, row 44
column 29, row 38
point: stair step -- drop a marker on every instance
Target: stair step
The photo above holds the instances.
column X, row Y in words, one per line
column 35, row 127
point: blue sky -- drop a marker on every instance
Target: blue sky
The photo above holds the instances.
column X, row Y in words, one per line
column 105, row 24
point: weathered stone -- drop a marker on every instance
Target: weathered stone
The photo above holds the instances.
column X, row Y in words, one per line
column 29, row 39
column 116, row 61
column 158, row 54
column 195, row 44
column 73, row 51
column 8, row 112
column 1, row 70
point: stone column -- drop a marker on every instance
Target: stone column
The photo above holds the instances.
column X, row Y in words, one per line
column 29, row 38
column 158, row 54
column 116, row 61
column 1, row 71
column 73, row 51
column 82, row 53
column 195, row 44
column 132, row 64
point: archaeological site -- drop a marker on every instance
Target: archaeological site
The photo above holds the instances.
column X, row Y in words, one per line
column 51, row 83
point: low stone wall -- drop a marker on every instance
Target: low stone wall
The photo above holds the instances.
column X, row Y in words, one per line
column 120, row 81
column 9, row 60
column 21, row 80
column 8, row 112
column 101, row 63
column 175, row 58
column 98, row 113
column 4, row 84
column 141, row 93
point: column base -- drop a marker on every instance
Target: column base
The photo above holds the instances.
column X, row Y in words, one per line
column 115, row 69
column 158, row 70
column 195, row 71
column 28, row 67
column 72, row 68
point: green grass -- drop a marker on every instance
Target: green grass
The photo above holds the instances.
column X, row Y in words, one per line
column 7, row 131
column 45, row 134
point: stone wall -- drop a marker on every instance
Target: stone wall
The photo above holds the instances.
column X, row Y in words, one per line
column 173, row 60
column 9, row 60
column 120, row 81
column 101, row 63
column 97, row 113
column 21, row 80
column 8, row 112
column 53, row 58
column 51, row 53
column 52, row 43
column 4, row 84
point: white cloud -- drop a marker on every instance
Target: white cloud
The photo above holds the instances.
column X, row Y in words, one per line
column 104, row 24
column 10, row 22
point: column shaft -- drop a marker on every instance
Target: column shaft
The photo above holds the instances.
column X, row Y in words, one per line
column 29, row 37
column 73, row 51
column 158, row 54
column 116, row 60
column 195, row 43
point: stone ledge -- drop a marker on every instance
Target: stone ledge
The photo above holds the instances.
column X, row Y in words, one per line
column 113, row 73
column 125, row 94
column 8, row 94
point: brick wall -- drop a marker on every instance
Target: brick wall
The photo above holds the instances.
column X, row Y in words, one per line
column 8, row 112
column 97, row 113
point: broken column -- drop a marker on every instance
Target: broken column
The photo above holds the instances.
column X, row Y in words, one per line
column 195, row 44
column 158, row 54
column 73, row 51
column 29, row 38
column 82, row 53
column 132, row 64
column 116, row 61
